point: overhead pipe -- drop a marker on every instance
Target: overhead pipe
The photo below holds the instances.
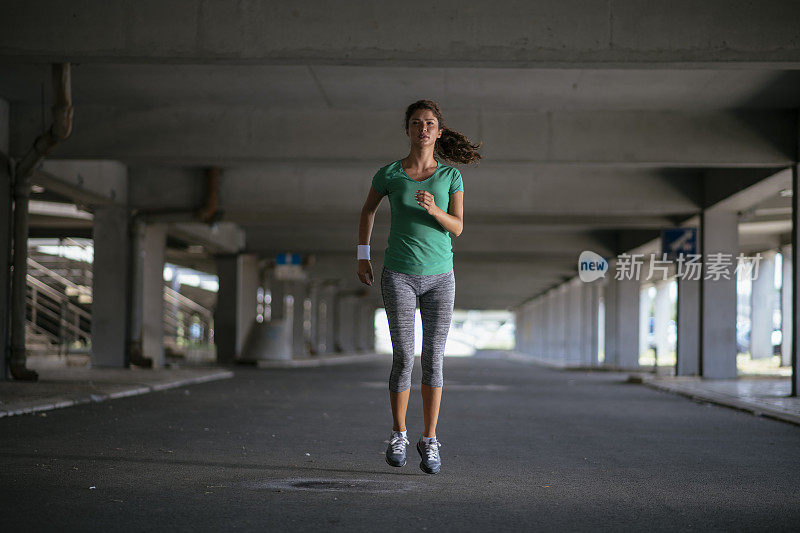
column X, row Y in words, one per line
column 60, row 130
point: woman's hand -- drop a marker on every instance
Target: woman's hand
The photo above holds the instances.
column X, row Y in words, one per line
column 365, row 271
column 425, row 199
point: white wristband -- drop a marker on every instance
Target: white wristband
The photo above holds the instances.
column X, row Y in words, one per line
column 363, row 251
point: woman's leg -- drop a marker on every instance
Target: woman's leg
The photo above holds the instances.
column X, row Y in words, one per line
column 436, row 308
column 400, row 301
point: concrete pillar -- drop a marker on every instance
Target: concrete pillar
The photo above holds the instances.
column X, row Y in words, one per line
column 365, row 327
column 277, row 289
column 326, row 314
column 527, row 327
column 662, row 316
column 762, row 303
column 795, row 281
column 371, row 329
column 551, row 325
column 588, row 333
column 621, row 321
column 147, row 315
column 559, row 354
column 688, row 348
column 541, row 329
column 237, row 303
column 575, row 318
column 5, row 241
column 610, row 319
column 627, row 309
column 314, row 296
column 110, row 298
column 532, row 327
column 299, row 292
column 644, row 320
column 344, row 323
column 786, row 306
column 718, row 234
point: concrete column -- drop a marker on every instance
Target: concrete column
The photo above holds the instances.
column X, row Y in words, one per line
column 370, row 335
column 575, row 325
column 527, row 327
column 327, row 314
column 237, row 304
column 299, row 292
column 147, row 316
column 762, row 303
column 314, row 290
column 110, row 298
column 541, row 329
column 662, row 317
column 622, row 321
column 561, row 324
column 532, row 327
column 718, row 234
column 644, row 320
column 627, row 333
column 344, row 328
column 365, row 325
column 610, row 319
column 358, row 324
column 589, row 337
column 5, row 240
column 688, row 349
column 786, row 306
column 795, row 280
column 551, row 324
column 277, row 306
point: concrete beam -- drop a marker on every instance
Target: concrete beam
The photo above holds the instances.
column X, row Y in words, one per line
column 85, row 182
column 321, row 239
column 221, row 238
column 226, row 135
column 278, row 195
column 615, row 33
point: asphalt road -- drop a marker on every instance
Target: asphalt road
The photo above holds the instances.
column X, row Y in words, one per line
column 523, row 448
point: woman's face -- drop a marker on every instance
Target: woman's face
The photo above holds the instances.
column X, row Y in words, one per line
column 423, row 128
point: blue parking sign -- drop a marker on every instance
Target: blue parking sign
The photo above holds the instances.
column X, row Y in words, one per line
column 676, row 241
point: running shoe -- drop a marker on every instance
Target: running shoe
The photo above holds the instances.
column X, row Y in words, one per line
column 429, row 452
column 396, row 451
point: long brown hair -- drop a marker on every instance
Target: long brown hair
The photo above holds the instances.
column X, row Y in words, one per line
column 452, row 146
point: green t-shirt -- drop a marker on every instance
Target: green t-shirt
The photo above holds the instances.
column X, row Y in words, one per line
column 418, row 244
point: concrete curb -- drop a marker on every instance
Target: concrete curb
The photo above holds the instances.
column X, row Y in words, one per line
column 715, row 398
column 323, row 360
column 135, row 390
column 531, row 359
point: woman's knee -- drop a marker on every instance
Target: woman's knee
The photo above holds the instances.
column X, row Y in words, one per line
column 432, row 372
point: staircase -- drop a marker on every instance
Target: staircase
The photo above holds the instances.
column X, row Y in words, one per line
column 58, row 311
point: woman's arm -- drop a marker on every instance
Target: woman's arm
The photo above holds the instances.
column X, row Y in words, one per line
column 453, row 221
column 365, row 224
column 367, row 219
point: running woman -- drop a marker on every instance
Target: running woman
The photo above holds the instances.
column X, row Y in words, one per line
column 427, row 205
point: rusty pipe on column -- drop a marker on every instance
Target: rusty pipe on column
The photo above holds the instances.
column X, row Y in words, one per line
column 59, row 131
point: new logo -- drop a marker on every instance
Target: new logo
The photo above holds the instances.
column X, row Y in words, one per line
column 591, row 266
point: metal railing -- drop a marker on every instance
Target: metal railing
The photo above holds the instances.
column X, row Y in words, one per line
column 185, row 321
column 56, row 310
column 52, row 314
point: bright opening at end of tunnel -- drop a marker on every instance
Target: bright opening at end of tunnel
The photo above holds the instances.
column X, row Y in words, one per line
column 470, row 331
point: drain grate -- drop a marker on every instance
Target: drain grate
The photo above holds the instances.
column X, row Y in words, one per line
column 333, row 485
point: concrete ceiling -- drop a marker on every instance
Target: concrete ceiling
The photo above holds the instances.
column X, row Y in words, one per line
column 600, row 123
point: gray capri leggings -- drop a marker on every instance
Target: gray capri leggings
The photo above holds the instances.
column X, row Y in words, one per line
column 436, row 294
